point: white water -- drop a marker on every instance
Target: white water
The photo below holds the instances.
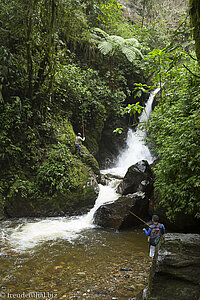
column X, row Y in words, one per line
column 136, row 150
column 30, row 233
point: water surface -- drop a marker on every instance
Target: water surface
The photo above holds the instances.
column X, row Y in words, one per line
column 88, row 267
column 71, row 258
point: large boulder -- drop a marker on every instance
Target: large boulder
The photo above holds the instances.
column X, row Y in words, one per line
column 175, row 273
column 117, row 214
column 139, row 177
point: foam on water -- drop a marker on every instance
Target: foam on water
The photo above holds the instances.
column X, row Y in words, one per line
column 30, row 233
column 136, row 149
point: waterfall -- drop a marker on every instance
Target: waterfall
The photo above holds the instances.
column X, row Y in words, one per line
column 30, row 233
column 135, row 150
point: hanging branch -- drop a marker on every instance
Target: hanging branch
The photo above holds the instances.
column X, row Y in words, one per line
column 190, row 55
column 195, row 75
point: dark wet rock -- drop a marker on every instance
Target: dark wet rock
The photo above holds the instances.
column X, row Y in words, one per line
column 116, row 215
column 111, row 144
column 175, row 272
column 139, row 177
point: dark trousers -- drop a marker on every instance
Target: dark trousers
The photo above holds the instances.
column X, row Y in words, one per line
column 78, row 148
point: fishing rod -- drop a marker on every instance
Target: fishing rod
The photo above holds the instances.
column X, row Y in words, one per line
column 83, row 127
column 139, row 218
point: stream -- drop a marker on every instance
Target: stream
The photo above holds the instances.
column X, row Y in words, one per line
column 70, row 257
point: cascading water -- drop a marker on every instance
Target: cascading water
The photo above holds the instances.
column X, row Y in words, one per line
column 136, row 150
column 30, row 233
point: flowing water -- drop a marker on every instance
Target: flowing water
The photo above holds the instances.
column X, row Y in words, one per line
column 70, row 257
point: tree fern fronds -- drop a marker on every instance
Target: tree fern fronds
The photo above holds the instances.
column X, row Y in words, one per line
column 109, row 44
column 116, row 39
column 105, row 47
column 133, row 41
column 100, row 32
column 130, row 55
column 137, row 50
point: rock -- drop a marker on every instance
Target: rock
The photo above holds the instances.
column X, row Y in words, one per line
column 90, row 161
column 125, row 269
column 81, row 274
column 106, row 178
column 175, row 272
column 116, row 215
column 111, row 144
column 139, row 177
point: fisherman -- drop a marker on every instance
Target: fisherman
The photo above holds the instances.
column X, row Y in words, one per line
column 78, row 142
column 155, row 231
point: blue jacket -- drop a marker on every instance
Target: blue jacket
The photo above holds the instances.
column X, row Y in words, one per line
column 148, row 232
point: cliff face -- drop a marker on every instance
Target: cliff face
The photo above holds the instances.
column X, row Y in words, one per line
column 49, row 177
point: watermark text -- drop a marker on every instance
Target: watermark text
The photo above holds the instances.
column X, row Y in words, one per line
column 31, row 295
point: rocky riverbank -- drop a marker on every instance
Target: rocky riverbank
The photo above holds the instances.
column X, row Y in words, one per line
column 175, row 272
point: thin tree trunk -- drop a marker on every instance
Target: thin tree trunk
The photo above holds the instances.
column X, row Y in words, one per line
column 29, row 55
column 194, row 6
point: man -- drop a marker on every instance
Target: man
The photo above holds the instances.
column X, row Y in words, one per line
column 78, row 143
column 154, row 233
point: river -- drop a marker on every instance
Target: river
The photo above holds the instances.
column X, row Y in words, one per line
column 70, row 257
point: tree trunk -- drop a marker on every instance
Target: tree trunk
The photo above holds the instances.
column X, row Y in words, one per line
column 29, row 56
column 194, row 6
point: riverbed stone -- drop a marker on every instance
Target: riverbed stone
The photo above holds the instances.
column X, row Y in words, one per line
column 117, row 214
column 175, row 272
column 139, row 177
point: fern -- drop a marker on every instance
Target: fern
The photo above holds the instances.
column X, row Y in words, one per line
column 116, row 39
column 105, row 47
column 130, row 55
column 109, row 44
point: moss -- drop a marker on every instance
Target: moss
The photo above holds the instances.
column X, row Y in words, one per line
column 56, row 180
column 94, row 135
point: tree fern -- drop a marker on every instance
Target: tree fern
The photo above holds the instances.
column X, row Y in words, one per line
column 109, row 44
column 130, row 55
column 105, row 47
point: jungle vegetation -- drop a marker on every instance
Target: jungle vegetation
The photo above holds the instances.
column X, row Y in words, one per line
column 62, row 60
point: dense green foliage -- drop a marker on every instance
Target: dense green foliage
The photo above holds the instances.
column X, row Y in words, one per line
column 65, row 63
column 52, row 74
column 84, row 94
column 174, row 125
column 174, row 131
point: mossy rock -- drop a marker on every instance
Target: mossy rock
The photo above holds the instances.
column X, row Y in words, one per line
column 34, row 199
column 57, row 181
